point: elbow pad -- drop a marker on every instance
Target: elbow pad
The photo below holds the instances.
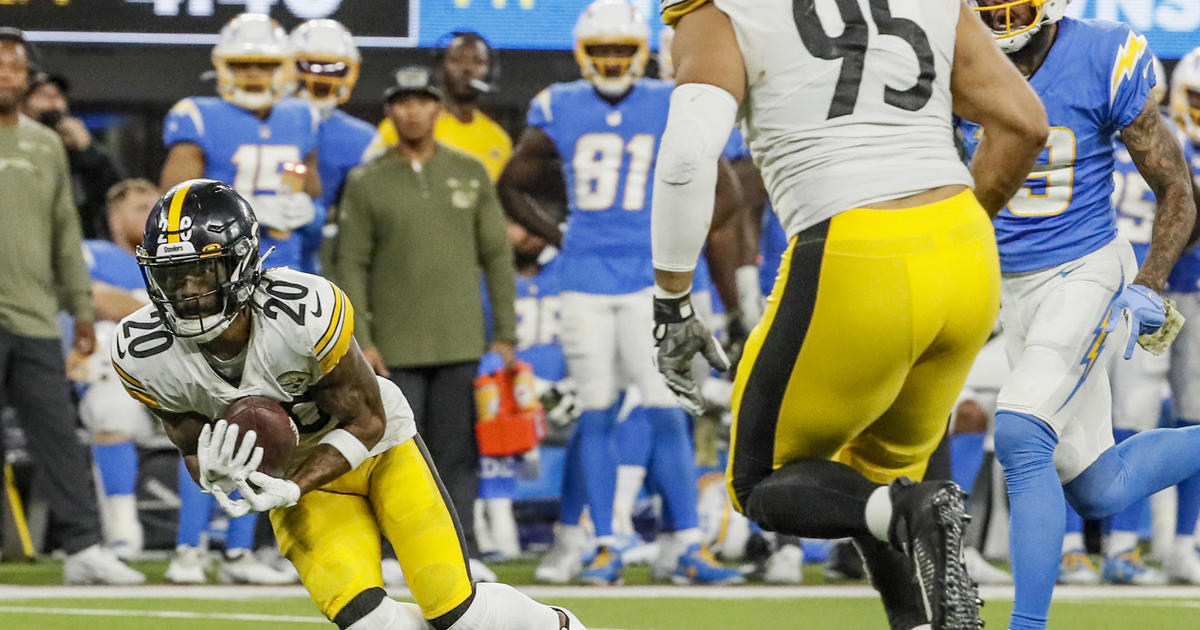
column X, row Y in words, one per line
column 685, row 176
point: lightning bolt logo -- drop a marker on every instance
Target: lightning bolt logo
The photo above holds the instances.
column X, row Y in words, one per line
column 1128, row 56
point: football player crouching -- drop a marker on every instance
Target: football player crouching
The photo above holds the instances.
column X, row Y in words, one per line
column 220, row 328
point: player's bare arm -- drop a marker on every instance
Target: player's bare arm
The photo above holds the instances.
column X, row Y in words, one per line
column 185, row 161
column 1159, row 159
column 312, row 177
column 989, row 90
column 350, row 393
column 532, row 158
column 183, row 429
column 724, row 250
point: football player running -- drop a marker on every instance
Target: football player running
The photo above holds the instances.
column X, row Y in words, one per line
column 259, row 142
column 327, row 63
column 220, row 328
column 1070, row 283
column 890, row 284
column 604, row 129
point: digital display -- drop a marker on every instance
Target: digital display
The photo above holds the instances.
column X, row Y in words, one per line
column 521, row 24
column 375, row 23
column 1171, row 26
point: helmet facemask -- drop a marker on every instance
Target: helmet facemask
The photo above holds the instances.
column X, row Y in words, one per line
column 252, row 39
column 612, row 46
column 247, row 91
column 1011, row 37
column 199, row 295
column 326, row 82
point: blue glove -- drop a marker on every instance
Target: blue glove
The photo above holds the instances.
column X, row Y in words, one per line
column 1146, row 310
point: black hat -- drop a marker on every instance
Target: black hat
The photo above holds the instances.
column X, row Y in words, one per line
column 411, row 80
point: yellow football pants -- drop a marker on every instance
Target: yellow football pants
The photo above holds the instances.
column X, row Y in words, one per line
column 868, row 335
column 332, row 534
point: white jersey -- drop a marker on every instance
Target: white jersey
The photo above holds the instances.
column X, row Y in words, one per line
column 849, row 100
column 301, row 327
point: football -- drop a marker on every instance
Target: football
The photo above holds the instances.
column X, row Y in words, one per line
column 277, row 434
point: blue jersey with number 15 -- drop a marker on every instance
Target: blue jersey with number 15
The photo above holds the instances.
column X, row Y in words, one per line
column 1094, row 82
column 608, row 152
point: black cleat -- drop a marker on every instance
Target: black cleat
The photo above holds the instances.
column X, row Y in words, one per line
column 844, row 563
column 928, row 521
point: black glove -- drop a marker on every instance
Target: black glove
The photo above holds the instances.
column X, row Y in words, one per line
column 679, row 336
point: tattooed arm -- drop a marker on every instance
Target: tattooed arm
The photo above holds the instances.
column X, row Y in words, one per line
column 349, row 393
column 183, row 429
column 1159, row 159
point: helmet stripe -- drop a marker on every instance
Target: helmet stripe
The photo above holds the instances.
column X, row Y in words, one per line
column 175, row 213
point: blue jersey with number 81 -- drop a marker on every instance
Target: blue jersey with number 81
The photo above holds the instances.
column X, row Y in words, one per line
column 608, row 152
column 1094, row 82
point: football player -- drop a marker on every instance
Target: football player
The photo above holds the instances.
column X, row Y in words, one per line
column 117, row 424
column 1071, row 282
column 1184, row 286
column 327, row 63
column 890, row 283
column 264, row 145
column 220, row 328
column 604, row 129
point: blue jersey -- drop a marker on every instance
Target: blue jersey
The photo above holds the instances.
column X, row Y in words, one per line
column 110, row 264
column 1094, row 82
column 1136, row 205
column 538, row 323
column 342, row 143
column 735, row 148
column 772, row 243
column 608, row 153
column 249, row 153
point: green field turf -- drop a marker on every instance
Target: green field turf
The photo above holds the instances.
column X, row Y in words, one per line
column 628, row 608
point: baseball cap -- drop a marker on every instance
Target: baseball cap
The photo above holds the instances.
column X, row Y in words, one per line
column 411, row 80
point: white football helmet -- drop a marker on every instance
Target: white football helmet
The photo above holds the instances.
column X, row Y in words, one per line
column 252, row 38
column 666, row 65
column 1185, row 95
column 608, row 27
column 1013, row 38
column 327, row 62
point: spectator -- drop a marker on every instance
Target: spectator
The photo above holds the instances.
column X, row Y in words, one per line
column 40, row 249
column 93, row 170
column 418, row 224
column 466, row 69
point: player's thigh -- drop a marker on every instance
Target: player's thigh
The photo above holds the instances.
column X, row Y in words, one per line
column 1066, row 338
column 589, row 341
column 1184, row 372
column 1090, row 432
column 1138, row 388
column 413, row 511
column 332, row 540
column 635, row 349
column 827, row 359
column 107, row 408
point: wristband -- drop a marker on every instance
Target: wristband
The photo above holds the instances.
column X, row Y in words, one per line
column 349, row 446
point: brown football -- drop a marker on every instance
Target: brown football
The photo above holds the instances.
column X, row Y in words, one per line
column 277, row 434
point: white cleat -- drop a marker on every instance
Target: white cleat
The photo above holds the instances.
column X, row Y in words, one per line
column 393, row 575
column 188, row 566
column 785, row 566
column 982, row 571
column 480, row 572
column 1183, row 567
column 247, row 569
column 560, row 565
column 97, row 565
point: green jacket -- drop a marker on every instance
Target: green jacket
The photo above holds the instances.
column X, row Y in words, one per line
column 411, row 244
column 41, row 249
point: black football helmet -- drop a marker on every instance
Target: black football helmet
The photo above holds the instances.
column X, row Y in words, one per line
column 199, row 257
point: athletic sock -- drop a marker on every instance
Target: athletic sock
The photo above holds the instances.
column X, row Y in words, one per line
column 630, row 480
column 1025, row 448
column 118, row 464
column 966, row 456
column 574, row 492
column 599, row 459
column 1135, row 469
column 1126, row 523
column 673, row 466
column 195, row 508
column 1189, row 500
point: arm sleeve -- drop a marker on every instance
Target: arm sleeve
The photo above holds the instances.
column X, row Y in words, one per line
column 355, row 247
column 496, row 259
column 70, row 271
column 1131, row 78
column 183, row 124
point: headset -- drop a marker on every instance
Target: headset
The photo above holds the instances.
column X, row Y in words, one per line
column 492, row 78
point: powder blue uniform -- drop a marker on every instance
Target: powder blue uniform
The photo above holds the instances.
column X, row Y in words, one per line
column 342, row 143
column 1064, row 211
column 249, row 153
column 608, row 154
column 538, row 323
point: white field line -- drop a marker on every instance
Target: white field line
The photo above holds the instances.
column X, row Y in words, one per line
column 1062, row 593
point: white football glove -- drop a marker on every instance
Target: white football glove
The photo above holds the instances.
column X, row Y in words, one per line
column 287, row 211
column 220, row 466
column 271, row 492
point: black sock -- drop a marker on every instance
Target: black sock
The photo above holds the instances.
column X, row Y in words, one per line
column 812, row 498
column 891, row 574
